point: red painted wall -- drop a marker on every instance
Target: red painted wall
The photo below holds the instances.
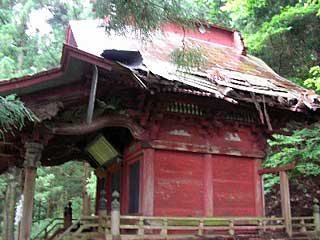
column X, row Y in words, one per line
column 179, row 184
column 182, row 186
column 233, row 186
column 191, row 183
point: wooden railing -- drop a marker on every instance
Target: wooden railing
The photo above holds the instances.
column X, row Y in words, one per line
column 50, row 228
column 86, row 227
column 118, row 226
column 175, row 227
column 144, row 227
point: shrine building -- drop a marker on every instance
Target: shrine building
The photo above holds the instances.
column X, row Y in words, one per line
column 177, row 143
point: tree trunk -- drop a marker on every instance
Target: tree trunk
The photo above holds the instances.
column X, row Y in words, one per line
column 85, row 195
column 10, row 204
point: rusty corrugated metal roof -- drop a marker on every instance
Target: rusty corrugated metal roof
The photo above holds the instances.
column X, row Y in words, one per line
column 226, row 74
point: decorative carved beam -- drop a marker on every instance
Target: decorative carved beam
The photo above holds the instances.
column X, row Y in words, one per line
column 108, row 121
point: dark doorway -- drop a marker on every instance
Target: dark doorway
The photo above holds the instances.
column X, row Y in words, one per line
column 134, row 186
column 116, row 181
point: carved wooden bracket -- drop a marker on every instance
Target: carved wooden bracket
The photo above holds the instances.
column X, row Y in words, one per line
column 107, row 121
column 33, row 154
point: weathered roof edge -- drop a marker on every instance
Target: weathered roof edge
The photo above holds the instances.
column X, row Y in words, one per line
column 47, row 75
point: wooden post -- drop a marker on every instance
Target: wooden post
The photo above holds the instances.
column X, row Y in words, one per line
column 231, row 227
column 102, row 210
column 147, row 182
column 303, row 226
column 164, row 229
column 10, row 203
column 115, row 216
column 316, row 215
column 68, row 215
column 208, row 185
column 200, row 228
column 285, row 201
column 32, row 160
column 141, row 227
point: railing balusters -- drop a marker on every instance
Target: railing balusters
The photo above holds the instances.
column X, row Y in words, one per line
column 231, row 227
column 141, row 227
column 164, row 230
column 316, row 215
column 200, row 229
column 261, row 227
column 302, row 226
column 264, row 224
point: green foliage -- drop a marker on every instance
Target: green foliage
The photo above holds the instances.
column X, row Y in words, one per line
column 13, row 113
column 291, row 31
column 214, row 12
column 314, row 78
column 23, row 51
column 145, row 16
column 56, row 186
column 302, row 147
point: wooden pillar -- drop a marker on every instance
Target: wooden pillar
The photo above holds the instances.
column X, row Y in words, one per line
column 208, row 186
column 259, row 195
column 147, row 182
column 32, row 160
column 285, row 201
column 10, row 203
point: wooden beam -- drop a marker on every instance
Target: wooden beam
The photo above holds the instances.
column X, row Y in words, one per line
column 285, row 202
column 107, row 121
column 277, row 169
column 203, row 148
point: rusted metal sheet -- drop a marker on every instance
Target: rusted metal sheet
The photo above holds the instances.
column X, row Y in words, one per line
column 226, row 74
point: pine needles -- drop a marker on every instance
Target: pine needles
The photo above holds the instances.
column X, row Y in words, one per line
column 13, row 114
column 144, row 16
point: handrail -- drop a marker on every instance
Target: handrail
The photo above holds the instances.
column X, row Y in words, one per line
column 45, row 228
column 168, row 227
column 68, row 230
column 80, row 225
column 205, row 218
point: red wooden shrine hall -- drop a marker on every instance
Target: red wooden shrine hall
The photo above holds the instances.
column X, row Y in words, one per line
column 184, row 143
